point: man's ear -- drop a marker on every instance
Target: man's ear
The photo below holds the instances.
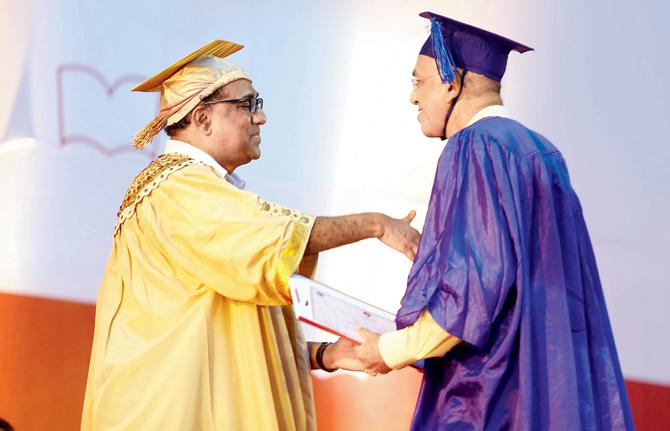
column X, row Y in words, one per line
column 202, row 119
column 455, row 87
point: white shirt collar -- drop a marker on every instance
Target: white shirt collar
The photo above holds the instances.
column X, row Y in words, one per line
column 186, row 149
column 489, row 111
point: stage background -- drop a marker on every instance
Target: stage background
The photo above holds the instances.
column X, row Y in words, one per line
column 341, row 137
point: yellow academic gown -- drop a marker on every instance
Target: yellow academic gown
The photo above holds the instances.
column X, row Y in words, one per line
column 193, row 328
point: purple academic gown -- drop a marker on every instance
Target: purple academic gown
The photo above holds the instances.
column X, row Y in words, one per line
column 505, row 263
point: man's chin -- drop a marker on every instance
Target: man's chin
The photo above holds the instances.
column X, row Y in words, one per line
column 430, row 132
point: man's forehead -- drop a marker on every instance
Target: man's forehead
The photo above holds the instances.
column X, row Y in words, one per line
column 240, row 88
column 424, row 65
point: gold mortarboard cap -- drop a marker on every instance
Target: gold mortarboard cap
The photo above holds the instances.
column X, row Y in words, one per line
column 217, row 48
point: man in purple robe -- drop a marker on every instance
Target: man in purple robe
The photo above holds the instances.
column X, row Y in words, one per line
column 503, row 303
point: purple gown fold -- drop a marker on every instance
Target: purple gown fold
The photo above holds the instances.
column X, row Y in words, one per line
column 505, row 263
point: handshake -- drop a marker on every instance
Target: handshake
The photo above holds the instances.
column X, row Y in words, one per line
column 349, row 355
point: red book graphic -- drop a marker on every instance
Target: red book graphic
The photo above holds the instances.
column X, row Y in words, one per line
column 103, row 115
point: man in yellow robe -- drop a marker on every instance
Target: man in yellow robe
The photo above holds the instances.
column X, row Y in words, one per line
column 194, row 328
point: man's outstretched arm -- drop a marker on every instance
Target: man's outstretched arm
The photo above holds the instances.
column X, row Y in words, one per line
column 331, row 232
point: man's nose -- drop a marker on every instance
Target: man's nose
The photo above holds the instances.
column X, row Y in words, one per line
column 412, row 97
column 258, row 117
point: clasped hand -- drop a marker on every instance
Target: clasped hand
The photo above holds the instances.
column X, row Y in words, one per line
column 349, row 355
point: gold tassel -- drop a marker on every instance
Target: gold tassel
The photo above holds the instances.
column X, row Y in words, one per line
column 149, row 132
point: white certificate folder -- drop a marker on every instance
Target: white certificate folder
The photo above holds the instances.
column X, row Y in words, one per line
column 338, row 313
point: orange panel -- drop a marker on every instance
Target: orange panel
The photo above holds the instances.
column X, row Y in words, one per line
column 343, row 402
column 44, row 353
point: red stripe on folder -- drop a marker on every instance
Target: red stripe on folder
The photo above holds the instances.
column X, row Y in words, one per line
column 324, row 328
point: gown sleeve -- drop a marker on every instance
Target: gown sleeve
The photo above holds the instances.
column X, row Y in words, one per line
column 423, row 339
column 465, row 279
column 217, row 237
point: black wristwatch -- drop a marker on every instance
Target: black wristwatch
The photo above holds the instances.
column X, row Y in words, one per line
column 319, row 357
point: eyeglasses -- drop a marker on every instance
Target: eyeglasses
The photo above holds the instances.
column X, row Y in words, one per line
column 251, row 103
column 416, row 81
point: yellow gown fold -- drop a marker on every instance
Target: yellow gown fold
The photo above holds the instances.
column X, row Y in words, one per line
column 194, row 328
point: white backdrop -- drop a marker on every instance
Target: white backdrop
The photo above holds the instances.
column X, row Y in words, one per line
column 341, row 135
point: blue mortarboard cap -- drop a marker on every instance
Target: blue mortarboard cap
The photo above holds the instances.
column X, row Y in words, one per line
column 454, row 44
